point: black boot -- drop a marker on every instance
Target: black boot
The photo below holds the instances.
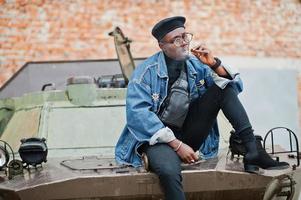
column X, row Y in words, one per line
column 254, row 154
column 264, row 160
column 235, row 145
column 251, row 153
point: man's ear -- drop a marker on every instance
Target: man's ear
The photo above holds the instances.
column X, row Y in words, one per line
column 161, row 45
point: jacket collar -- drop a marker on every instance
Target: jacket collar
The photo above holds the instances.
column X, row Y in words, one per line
column 162, row 68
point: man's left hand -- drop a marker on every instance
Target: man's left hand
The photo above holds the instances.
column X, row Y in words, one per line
column 204, row 54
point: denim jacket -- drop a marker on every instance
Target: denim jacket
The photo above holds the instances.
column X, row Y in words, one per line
column 147, row 90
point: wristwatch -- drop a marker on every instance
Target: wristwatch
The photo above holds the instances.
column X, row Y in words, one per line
column 218, row 62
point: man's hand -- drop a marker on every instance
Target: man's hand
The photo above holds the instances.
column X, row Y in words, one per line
column 185, row 152
column 204, row 54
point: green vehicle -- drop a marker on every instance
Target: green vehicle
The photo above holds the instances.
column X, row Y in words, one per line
column 81, row 124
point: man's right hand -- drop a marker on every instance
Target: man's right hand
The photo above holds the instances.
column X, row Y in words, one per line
column 185, row 152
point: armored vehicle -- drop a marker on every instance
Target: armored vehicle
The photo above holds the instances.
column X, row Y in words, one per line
column 80, row 124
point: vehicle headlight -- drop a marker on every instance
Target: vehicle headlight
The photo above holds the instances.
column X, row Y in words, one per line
column 4, row 157
column 33, row 151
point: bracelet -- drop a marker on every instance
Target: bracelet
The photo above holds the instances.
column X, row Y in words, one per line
column 178, row 147
column 218, row 62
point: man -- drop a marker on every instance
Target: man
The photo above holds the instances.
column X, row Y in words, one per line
column 170, row 126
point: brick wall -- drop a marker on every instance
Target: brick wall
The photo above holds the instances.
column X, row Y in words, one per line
column 43, row 30
column 39, row 30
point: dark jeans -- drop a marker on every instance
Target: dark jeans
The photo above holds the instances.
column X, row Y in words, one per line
column 165, row 162
column 203, row 112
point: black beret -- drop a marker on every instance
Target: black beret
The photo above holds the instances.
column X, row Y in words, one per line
column 166, row 25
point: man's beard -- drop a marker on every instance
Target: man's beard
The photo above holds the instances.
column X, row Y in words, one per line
column 184, row 56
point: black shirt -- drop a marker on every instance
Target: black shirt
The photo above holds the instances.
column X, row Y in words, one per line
column 174, row 68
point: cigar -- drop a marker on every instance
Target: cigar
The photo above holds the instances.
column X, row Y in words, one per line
column 199, row 51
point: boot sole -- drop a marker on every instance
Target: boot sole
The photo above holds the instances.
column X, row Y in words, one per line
column 278, row 167
column 255, row 169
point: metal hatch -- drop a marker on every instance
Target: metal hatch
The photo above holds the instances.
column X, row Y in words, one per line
column 122, row 46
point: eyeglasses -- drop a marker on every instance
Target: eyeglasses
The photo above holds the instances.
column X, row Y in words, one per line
column 178, row 41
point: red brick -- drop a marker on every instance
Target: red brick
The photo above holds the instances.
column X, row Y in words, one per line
column 48, row 29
